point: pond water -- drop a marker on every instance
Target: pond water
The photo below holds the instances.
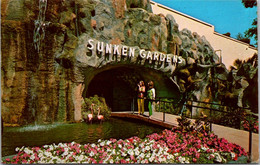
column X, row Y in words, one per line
column 38, row 135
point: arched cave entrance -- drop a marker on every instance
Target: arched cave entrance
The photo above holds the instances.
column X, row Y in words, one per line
column 118, row 86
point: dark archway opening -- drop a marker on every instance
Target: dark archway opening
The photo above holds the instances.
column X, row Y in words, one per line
column 118, row 86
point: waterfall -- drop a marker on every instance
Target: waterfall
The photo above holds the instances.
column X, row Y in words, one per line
column 40, row 25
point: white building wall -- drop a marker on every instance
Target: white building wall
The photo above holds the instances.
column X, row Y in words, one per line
column 231, row 49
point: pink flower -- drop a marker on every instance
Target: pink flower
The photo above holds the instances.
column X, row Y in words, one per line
column 123, row 161
column 71, row 158
column 194, row 160
column 197, row 155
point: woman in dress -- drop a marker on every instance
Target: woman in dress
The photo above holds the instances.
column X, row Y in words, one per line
column 150, row 97
column 140, row 99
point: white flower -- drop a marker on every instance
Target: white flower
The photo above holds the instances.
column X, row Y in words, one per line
column 147, row 148
column 61, row 161
column 218, row 157
column 91, row 154
column 142, row 155
column 233, row 155
column 80, row 158
column 170, row 156
column 40, row 155
column 32, row 157
column 111, row 161
column 21, row 149
column 120, row 146
column 17, row 149
column 102, row 143
column 51, row 147
column 66, row 150
column 141, row 145
column 151, row 159
column 148, row 155
column 137, row 152
column 162, row 159
column 124, row 154
column 65, row 153
column 113, row 152
column 51, row 161
column 48, row 154
column 26, row 150
column 93, row 145
column 204, row 148
column 109, row 142
column 130, row 152
column 187, row 161
column 181, row 159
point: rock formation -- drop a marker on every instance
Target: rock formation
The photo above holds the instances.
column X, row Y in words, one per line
column 47, row 64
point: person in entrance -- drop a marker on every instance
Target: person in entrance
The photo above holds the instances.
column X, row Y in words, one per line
column 151, row 97
column 140, row 99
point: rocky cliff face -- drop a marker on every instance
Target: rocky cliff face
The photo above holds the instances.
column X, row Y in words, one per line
column 46, row 62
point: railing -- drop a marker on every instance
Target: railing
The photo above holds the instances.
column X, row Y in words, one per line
column 215, row 112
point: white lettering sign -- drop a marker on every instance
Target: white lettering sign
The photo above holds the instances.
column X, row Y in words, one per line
column 123, row 50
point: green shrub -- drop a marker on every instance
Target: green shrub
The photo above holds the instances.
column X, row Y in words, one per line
column 98, row 102
column 199, row 127
column 167, row 106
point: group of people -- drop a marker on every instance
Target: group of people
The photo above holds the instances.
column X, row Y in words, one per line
column 150, row 96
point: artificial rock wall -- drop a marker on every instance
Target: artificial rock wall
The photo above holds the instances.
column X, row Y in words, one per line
column 45, row 85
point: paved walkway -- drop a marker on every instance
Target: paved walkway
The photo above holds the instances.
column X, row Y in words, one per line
column 236, row 136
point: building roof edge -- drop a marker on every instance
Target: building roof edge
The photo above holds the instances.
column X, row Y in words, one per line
column 233, row 39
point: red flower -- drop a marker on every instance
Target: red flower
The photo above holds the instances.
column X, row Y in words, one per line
column 197, row 155
column 123, row 161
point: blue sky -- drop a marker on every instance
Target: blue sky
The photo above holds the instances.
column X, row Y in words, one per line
column 226, row 15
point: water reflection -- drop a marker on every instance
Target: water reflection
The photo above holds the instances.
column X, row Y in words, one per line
column 39, row 135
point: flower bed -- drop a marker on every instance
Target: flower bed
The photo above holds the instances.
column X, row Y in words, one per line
column 168, row 147
column 255, row 125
